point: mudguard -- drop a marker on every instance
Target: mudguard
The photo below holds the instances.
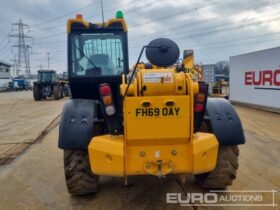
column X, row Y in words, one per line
column 76, row 125
column 224, row 122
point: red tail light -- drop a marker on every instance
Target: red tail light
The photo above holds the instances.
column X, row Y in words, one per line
column 198, row 107
column 105, row 89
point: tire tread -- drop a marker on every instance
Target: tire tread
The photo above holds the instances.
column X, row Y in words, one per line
column 79, row 178
column 225, row 171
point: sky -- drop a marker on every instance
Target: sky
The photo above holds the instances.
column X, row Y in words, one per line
column 214, row 29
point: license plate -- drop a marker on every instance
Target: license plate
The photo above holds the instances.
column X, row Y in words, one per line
column 158, row 112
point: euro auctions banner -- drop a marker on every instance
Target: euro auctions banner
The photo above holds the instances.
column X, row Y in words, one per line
column 255, row 78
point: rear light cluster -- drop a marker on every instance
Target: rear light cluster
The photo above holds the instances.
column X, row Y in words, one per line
column 200, row 99
column 106, row 97
column 200, row 105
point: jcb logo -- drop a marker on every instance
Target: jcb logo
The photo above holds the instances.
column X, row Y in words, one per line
column 263, row 78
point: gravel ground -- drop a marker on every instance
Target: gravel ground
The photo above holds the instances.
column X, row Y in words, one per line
column 35, row 180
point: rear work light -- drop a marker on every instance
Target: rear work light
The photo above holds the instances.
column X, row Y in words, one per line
column 106, row 97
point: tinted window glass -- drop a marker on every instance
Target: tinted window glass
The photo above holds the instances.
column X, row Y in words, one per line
column 97, row 54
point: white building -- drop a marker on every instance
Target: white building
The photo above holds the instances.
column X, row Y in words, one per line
column 5, row 70
column 5, row 75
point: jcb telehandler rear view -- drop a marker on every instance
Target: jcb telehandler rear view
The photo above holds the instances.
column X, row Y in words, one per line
column 150, row 121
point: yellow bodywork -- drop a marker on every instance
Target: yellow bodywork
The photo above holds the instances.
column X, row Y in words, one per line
column 107, row 156
column 195, row 71
column 188, row 60
column 158, row 134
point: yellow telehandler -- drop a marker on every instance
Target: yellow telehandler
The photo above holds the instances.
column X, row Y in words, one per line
column 148, row 121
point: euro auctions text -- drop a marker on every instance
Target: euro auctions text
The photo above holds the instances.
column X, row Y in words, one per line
column 224, row 198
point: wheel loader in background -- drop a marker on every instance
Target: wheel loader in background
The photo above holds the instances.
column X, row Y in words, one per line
column 151, row 121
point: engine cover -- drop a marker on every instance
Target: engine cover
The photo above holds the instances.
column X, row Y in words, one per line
column 160, row 82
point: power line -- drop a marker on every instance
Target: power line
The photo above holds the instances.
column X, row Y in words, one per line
column 230, row 13
column 51, row 42
column 132, row 2
column 182, row 12
column 227, row 14
column 4, row 47
column 202, row 47
column 64, row 15
column 4, row 56
column 206, row 44
column 238, row 44
column 258, row 6
column 68, row 14
column 211, row 32
column 224, row 46
column 4, row 39
column 205, row 33
column 239, row 39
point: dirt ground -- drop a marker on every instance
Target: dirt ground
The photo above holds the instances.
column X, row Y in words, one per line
column 35, row 179
column 22, row 121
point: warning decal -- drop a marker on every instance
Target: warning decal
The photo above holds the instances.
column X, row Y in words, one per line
column 158, row 78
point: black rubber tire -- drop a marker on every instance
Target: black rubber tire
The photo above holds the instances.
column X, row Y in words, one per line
column 225, row 171
column 57, row 92
column 79, row 178
column 61, row 92
column 36, row 93
column 66, row 90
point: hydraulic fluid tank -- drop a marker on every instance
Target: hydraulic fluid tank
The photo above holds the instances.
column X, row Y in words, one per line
column 161, row 82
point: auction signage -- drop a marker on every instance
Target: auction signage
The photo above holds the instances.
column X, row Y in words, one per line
column 255, row 78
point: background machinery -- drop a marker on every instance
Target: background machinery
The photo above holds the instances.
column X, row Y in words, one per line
column 151, row 121
column 188, row 66
column 220, row 89
column 63, row 80
column 19, row 83
column 48, row 85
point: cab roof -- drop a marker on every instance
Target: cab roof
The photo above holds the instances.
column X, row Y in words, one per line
column 79, row 23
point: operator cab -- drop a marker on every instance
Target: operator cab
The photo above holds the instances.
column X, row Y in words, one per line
column 97, row 53
column 46, row 76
